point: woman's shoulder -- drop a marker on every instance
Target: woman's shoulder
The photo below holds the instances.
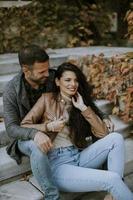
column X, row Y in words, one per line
column 48, row 95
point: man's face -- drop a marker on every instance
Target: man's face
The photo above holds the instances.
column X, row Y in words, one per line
column 38, row 74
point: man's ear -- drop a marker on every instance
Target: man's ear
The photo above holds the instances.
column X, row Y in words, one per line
column 25, row 68
column 57, row 82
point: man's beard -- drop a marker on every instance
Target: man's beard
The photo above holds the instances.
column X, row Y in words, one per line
column 40, row 81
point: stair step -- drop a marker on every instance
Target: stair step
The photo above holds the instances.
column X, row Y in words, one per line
column 20, row 190
column 4, row 80
column 25, row 190
column 95, row 50
column 104, row 105
column 120, row 126
column 72, row 196
column 9, row 167
column 9, row 66
column 9, row 62
column 31, row 190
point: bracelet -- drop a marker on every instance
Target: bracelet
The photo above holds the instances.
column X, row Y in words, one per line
column 83, row 108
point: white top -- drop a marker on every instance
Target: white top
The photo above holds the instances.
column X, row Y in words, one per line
column 62, row 139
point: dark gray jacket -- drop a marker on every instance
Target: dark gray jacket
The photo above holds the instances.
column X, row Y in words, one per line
column 16, row 106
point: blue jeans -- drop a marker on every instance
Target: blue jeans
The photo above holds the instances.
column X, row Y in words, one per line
column 79, row 171
column 40, row 168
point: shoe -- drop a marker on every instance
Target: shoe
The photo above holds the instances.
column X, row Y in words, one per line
column 109, row 197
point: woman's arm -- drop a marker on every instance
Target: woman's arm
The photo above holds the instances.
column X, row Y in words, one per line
column 98, row 126
column 33, row 118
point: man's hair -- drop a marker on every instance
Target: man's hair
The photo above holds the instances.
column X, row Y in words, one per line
column 30, row 54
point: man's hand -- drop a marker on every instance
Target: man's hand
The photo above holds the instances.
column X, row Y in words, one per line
column 109, row 124
column 78, row 102
column 43, row 142
column 56, row 125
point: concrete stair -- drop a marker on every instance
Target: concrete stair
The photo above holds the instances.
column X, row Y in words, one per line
column 9, row 62
column 11, row 174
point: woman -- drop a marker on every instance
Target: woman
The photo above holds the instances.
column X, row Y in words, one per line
column 71, row 119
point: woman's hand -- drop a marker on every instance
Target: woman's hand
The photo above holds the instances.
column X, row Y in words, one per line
column 56, row 125
column 78, row 102
column 109, row 124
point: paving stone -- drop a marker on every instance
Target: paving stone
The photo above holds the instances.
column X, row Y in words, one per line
column 9, row 167
column 19, row 190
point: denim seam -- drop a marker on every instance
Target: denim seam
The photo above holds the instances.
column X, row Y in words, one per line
column 94, row 157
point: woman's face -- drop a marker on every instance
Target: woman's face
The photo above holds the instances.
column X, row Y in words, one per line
column 68, row 83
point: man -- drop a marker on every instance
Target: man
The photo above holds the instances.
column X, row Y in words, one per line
column 20, row 95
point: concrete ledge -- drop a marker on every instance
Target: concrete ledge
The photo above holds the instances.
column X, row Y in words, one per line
column 19, row 190
column 9, row 167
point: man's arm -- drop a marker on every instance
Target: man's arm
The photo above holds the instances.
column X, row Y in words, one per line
column 12, row 116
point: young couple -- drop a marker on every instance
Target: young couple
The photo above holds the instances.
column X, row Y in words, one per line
column 51, row 115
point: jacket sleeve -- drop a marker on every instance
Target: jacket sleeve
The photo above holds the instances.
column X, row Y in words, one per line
column 33, row 118
column 98, row 127
column 12, row 117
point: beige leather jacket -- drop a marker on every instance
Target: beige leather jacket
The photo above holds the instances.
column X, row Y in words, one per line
column 48, row 109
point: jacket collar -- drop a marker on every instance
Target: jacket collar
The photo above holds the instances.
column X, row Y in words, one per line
column 21, row 92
